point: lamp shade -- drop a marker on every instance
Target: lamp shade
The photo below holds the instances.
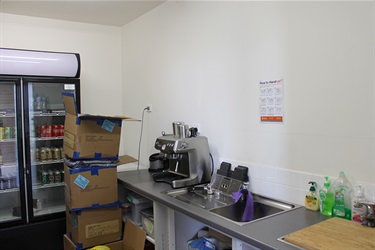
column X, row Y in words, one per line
column 39, row 63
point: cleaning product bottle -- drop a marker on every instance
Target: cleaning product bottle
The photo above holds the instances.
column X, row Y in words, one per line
column 326, row 198
column 312, row 198
column 357, row 208
column 342, row 191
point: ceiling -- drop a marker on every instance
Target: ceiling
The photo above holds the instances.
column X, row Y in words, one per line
column 113, row 13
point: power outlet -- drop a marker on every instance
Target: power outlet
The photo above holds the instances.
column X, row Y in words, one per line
column 149, row 106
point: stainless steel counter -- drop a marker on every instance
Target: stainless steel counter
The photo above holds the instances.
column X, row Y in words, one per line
column 262, row 233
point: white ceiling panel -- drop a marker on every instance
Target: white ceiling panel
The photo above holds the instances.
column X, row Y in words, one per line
column 114, row 13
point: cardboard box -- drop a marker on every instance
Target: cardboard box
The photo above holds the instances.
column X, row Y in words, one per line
column 69, row 245
column 90, row 187
column 90, row 137
column 94, row 226
column 133, row 239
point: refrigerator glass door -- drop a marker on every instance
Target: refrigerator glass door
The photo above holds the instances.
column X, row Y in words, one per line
column 45, row 133
column 11, row 172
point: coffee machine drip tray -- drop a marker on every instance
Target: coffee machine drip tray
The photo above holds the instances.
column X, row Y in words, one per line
column 167, row 177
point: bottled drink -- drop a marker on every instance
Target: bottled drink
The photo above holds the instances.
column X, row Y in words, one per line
column 51, row 177
column 57, row 176
column 357, row 208
column 2, row 186
column 342, row 205
column 44, row 177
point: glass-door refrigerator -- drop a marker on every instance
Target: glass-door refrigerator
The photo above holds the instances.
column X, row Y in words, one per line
column 31, row 148
column 12, row 192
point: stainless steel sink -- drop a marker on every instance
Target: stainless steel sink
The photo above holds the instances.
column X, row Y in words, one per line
column 225, row 207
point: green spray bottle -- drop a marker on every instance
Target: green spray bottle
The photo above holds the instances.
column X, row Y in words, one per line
column 327, row 198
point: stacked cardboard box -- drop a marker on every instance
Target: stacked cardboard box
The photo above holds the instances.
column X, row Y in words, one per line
column 91, row 147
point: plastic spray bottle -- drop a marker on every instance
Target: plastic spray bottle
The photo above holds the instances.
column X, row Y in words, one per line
column 342, row 205
column 312, row 198
column 357, row 208
column 326, row 198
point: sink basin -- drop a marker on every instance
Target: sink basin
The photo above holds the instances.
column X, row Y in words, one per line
column 235, row 211
column 263, row 207
column 224, row 206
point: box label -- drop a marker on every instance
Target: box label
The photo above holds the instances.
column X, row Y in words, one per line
column 69, row 139
column 81, row 181
column 108, row 125
column 103, row 228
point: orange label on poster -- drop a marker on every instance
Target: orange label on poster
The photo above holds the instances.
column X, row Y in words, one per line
column 272, row 118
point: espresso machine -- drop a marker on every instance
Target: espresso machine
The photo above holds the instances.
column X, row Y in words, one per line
column 188, row 157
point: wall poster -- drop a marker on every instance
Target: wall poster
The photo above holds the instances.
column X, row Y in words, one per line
column 271, row 99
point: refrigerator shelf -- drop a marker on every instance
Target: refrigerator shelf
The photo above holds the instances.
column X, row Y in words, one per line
column 49, row 113
column 36, row 163
column 9, row 140
column 47, row 138
column 11, row 190
column 40, row 186
column 10, row 115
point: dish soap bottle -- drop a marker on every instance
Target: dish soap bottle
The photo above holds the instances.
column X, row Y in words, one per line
column 326, row 198
column 357, row 208
column 312, row 198
column 342, row 205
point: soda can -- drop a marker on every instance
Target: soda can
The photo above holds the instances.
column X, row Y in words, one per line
column 56, row 153
column 8, row 132
column 56, row 130
column 43, row 154
column 62, row 130
column 37, row 154
column 44, row 177
column 43, row 131
column 62, row 152
column 49, row 131
column 2, row 132
column 48, row 154
column 57, row 176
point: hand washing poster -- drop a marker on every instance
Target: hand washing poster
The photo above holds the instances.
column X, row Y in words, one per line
column 271, row 99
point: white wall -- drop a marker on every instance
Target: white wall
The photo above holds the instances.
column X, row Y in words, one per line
column 99, row 47
column 201, row 62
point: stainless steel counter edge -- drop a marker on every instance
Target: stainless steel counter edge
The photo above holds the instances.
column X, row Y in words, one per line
column 262, row 233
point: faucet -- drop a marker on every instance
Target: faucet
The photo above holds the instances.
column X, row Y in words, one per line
column 209, row 189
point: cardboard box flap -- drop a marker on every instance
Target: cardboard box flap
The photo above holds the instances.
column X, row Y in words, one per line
column 102, row 117
column 71, row 108
column 124, row 159
column 69, row 103
column 134, row 237
column 91, row 171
